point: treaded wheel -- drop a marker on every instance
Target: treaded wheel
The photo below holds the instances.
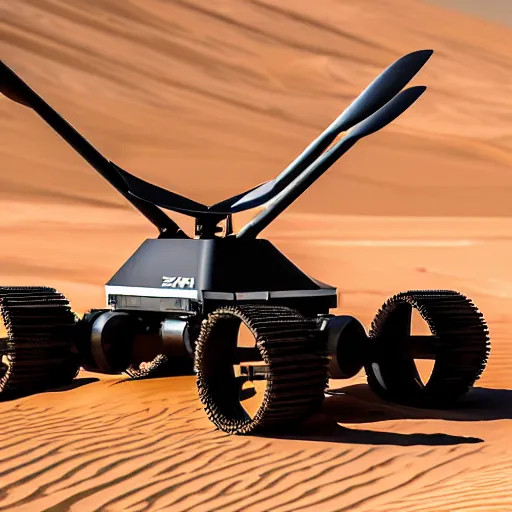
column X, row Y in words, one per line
column 459, row 346
column 37, row 352
column 295, row 370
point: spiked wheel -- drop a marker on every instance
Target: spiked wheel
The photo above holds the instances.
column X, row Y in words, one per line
column 459, row 347
column 36, row 347
column 287, row 369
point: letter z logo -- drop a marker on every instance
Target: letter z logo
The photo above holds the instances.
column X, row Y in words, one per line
column 177, row 282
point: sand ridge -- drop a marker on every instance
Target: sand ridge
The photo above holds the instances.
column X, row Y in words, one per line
column 70, row 451
column 209, row 98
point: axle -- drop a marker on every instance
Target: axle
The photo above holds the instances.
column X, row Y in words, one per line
column 111, row 341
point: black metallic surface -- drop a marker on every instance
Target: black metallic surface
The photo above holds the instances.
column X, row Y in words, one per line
column 222, row 266
column 399, row 104
column 347, row 343
column 112, row 337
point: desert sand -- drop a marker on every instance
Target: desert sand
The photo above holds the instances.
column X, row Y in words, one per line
column 209, row 98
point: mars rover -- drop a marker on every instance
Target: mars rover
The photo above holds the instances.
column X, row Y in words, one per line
column 181, row 301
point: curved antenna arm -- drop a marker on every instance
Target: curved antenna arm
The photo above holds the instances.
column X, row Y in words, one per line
column 14, row 88
column 387, row 85
column 375, row 122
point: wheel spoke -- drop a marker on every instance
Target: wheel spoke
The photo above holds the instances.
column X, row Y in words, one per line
column 423, row 347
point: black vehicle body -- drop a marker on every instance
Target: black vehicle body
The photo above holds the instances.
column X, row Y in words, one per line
column 196, row 276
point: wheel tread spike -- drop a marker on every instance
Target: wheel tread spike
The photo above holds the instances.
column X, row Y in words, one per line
column 38, row 352
column 462, row 357
column 295, row 385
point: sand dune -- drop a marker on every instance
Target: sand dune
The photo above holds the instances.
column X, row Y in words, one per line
column 182, row 92
column 208, row 98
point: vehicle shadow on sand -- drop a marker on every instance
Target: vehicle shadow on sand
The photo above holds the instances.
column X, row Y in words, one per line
column 358, row 404
column 75, row 383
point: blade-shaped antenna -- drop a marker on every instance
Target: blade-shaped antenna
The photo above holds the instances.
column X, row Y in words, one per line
column 387, row 85
column 160, row 196
column 14, row 88
column 224, row 206
column 375, row 122
column 164, row 198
